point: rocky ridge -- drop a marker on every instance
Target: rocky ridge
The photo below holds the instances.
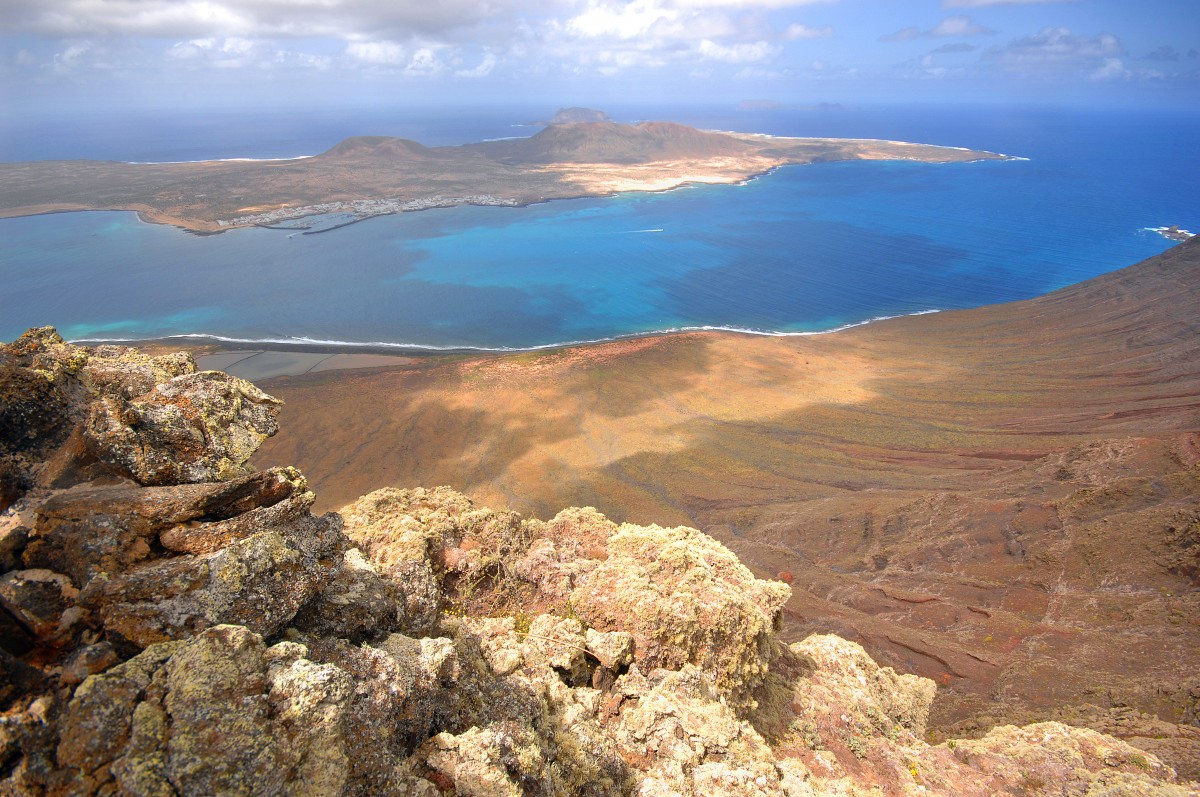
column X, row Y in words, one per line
column 175, row 623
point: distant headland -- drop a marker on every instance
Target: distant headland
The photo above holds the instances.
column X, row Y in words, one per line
column 579, row 153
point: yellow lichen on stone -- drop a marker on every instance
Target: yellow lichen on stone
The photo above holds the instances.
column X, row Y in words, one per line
column 687, row 600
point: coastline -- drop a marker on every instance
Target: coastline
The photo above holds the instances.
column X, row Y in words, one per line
column 898, row 471
column 361, row 177
column 603, row 190
column 206, row 228
column 213, row 345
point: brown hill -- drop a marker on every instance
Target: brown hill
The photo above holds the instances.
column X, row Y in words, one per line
column 566, row 116
column 378, row 147
column 1006, row 499
column 610, row 142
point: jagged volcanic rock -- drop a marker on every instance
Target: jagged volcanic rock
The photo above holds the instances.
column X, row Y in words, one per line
column 217, row 638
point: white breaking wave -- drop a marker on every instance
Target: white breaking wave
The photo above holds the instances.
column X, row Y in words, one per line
column 218, row 160
column 303, row 340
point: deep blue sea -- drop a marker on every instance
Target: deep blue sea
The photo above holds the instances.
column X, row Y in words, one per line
column 806, row 248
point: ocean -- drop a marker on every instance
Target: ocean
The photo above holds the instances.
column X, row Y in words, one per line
column 803, row 249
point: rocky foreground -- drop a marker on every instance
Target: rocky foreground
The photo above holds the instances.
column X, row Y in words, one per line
column 175, row 623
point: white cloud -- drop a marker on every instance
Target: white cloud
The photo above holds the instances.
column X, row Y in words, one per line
column 757, row 73
column 954, row 47
column 424, row 62
column 798, row 31
column 416, row 61
column 645, row 18
column 747, row 4
column 484, row 68
column 979, row 3
column 736, row 53
column 903, row 35
column 609, row 36
column 73, row 54
column 1111, row 69
column 234, row 52
column 624, row 21
column 1057, row 50
column 467, row 38
column 188, row 19
column 958, row 25
column 380, row 53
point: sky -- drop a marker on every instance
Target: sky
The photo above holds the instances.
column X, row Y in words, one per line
column 87, row 54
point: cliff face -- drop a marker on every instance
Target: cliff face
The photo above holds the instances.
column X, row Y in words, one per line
column 177, row 623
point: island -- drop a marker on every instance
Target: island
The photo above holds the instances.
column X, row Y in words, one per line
column 369, row 176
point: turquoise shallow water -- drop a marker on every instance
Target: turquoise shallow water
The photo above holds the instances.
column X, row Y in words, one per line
column 803, row 249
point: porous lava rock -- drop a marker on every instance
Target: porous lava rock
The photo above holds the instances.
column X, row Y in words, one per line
column 195, row 427
column 207, row 634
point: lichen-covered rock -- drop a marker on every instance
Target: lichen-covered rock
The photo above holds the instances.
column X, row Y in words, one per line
column 501, row 644
column 392, row 525
column 563, row 551
column 612, row 649
column 558, row 643
column 86, row 531
column 42, row 348
column 1052, row 756
column 14, row 535
column 197, row 427
column 684, row 597
column 867, row 699
column 33, row 409
column 98, row 723
column 43, row 602
column 536, row 736
column 261, row 582
column 355, row 603
column 28, row 735
column 88, row 660
column 151, row 418
column 692, row 743
column 38, row 406
column 421, row 538
column 687, row 600
column 200, row 537
column 223, row 713
column 476, row 761
column 195, row 718
column 125, row 373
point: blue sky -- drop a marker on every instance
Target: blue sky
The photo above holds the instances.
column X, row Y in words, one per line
column 255, row 53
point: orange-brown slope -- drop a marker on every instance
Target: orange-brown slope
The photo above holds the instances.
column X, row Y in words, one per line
column 1004, row 499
